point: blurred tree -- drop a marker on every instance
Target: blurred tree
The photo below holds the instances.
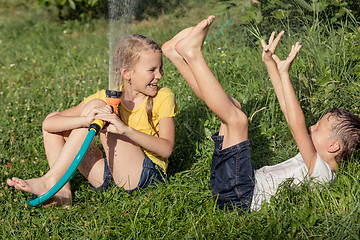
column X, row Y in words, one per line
column 87, row 9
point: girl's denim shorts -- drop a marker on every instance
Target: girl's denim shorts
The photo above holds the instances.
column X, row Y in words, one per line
column 232, row 179
column 150, row 175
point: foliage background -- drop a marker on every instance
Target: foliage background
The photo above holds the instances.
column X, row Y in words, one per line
column 49, row 63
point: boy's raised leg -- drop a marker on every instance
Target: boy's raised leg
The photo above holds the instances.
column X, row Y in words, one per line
column 235, row 123
column 169, row 51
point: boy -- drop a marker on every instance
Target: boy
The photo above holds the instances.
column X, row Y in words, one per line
column 233, row 180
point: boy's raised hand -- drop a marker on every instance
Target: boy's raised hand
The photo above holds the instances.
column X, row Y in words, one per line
column 269, row 49
column 284, row 65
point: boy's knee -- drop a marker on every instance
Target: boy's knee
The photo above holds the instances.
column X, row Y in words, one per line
column 92, row 104
column 239, row 119
column 243, row 119
column 235, row 102
column 165, row 48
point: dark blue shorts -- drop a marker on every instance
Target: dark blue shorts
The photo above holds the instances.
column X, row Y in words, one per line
column 150, row 175
column 232, row 177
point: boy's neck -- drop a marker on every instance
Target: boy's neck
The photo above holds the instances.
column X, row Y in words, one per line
column 330, row 160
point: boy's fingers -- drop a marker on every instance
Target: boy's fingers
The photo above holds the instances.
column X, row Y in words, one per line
column 296, row 47
column 292, row 49
column 276, row 58
column 263, row 44
column 271, row 37
column 279, row 36
column 277, row 39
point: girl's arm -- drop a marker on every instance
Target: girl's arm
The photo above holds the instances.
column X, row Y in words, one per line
column 162, row 145
column 68, row 119
column 295, row 115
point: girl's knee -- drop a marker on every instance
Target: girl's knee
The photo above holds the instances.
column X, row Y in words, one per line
column 92, row 104
column 47, row 117
column 51, row 114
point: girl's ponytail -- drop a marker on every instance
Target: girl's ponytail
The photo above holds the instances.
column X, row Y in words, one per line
column 149, row 108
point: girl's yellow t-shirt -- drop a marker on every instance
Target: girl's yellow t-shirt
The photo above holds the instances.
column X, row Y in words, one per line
column 164, row 106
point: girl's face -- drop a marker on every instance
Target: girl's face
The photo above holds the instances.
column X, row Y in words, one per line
column 147, row 73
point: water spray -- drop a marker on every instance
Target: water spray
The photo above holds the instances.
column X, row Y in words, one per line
column 121, row 14
column 113, row 98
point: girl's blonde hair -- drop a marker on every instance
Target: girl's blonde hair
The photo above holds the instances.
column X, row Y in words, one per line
column 127, row 55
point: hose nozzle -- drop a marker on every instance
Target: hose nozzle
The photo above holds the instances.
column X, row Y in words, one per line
column 113, row 98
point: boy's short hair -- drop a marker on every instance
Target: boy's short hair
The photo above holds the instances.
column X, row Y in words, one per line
column 346, row 129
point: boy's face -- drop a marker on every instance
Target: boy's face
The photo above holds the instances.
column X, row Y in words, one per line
column 321, row 133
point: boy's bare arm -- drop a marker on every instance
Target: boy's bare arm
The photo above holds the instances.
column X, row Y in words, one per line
column 295, row 115
column 268, row 58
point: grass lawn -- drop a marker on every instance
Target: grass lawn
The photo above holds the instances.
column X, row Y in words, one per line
column 48, row 66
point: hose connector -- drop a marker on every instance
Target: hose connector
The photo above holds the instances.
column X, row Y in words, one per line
column 113, row 98
column 97, row 125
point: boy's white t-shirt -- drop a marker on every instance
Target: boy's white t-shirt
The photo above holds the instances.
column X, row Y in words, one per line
column 268, row 178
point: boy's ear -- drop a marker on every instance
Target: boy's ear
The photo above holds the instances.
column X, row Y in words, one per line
column 126, row 73
column 334, row 147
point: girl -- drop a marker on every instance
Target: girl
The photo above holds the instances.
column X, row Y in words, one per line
column 138, row 140
column 233, row 180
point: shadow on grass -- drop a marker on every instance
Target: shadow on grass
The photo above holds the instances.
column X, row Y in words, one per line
column 190, row 131
column 259, row 146
column 259, row 142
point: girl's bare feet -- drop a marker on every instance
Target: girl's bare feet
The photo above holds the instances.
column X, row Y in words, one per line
column 191, row 45
column 39, row 186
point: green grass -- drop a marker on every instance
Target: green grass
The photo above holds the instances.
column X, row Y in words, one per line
column 48, row 66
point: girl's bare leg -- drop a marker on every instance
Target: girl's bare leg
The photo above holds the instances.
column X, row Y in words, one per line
column 125, row 160
column 234, row 121
column 54, row 143
column 61, row 150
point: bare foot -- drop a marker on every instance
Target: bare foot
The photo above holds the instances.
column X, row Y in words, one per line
column 35, row 186
column 38, row 187
column 168, row 48
column 191, row 45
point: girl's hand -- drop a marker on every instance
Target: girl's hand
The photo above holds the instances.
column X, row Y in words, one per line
column 115, row 124
column 284, row 65
column 90, row 117
column 269, row 49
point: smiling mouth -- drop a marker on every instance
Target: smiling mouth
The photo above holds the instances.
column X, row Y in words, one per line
column 153, row 85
